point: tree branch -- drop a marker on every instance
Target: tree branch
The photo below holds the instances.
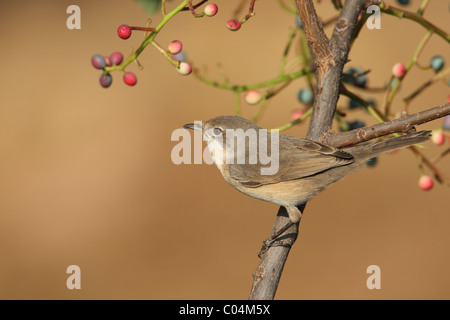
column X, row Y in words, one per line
column 329, row 58
column 268, row 274
column 405, row 124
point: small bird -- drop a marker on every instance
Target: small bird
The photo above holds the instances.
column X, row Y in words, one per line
column 305, row 167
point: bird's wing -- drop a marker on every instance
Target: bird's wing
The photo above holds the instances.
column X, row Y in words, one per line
column 298, row 158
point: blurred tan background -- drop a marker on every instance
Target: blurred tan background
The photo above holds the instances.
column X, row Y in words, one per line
column 86, row 176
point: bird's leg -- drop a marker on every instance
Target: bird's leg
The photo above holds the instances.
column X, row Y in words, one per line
column 294, row 216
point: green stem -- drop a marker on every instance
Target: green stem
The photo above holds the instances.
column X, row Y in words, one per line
column 242, row 88
column 165, row 54
column 408, row 66
column 375, row 113
column 297, row 121
column 422, row 7
column 400, row 13
column 437, row 77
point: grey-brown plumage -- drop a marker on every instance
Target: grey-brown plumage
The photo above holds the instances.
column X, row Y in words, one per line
column 305, row 167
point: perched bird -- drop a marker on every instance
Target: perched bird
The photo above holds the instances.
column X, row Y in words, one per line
column 304, row 169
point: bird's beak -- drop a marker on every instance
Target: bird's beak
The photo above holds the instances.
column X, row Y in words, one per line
column 193, row 126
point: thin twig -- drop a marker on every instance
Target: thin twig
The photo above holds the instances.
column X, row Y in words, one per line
column 405, row 124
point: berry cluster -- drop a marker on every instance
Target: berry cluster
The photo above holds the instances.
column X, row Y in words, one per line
column 115, row 59
column 355, row 76
column 173, row 54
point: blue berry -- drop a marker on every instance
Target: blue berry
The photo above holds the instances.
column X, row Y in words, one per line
column 305, row 96
column 361, row 81
column 437, row 63
column 403, row 2
column 372, row 162
column 371, row 102
column 347, row 75
column 98, row 61
column 446, row 124
column 353, row 104
column 298, row 22
column 355, row 76
column 356, row 124
column 180, row 56
column 393, row 84
column 105, row 80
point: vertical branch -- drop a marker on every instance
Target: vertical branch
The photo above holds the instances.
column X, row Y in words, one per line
column 268, row 274
column 323, row 60
column 329, row 58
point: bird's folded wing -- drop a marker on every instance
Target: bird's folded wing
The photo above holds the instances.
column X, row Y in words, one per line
column 298, row 158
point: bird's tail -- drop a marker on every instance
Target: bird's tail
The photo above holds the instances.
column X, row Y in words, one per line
column 370, row 150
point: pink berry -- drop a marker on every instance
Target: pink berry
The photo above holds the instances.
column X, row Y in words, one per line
column 129, row 78
column 124, row 31
column 175, row 47
column 116, row 58
column 359, row 17
column 438, row 138
column 296, row 114
column 426, row 183
column 184, row 68
column 211, row 10
column 399, row 70
column 252, row 97
column 233, row 24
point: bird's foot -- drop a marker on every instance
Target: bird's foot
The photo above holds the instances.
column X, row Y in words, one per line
column 272, row 243
column 273, row 240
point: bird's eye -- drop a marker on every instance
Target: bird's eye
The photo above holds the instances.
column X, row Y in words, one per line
column 217, row 131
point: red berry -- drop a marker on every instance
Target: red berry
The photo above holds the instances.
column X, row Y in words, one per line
column 211, row 10
column 98, row 61
column 124, row 31
column 175, row 47
column 116, row 58
column 233, row 25
column 129, row 78
column 426, row 183
column 105, row 80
